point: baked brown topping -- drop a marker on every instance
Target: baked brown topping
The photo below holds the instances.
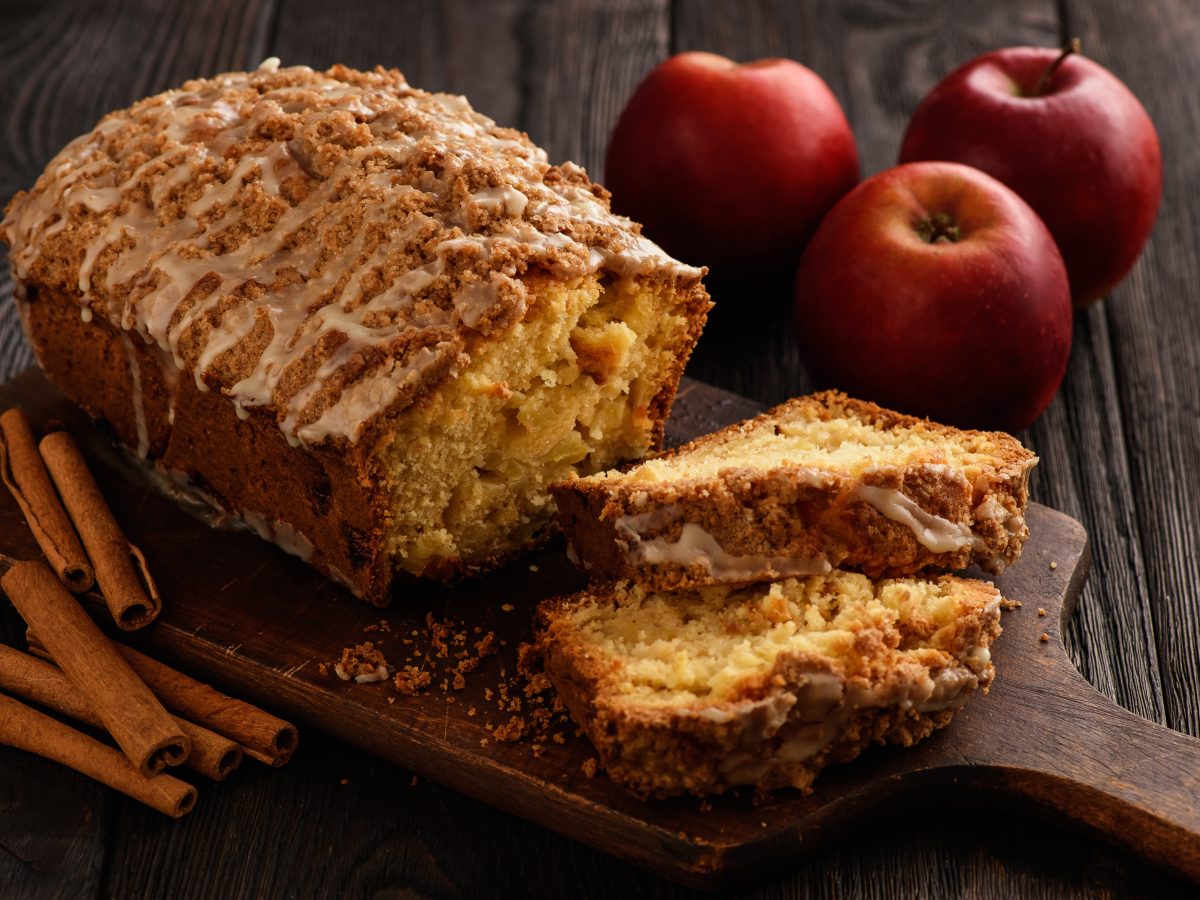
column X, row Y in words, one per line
column 323, row 245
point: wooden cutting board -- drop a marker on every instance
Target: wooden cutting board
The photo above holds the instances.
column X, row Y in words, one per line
column 243, row 615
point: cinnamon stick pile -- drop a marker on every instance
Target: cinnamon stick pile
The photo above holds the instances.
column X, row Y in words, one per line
column 67, row 514
column 158, row 718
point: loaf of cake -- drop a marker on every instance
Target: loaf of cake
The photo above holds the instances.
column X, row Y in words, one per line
column 702, row 690
column 818, row 483
column 357, row 316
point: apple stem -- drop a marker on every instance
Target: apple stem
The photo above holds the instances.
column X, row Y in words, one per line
column 1071, row 46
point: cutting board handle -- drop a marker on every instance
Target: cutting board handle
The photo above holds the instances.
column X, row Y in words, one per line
column 1132, row 780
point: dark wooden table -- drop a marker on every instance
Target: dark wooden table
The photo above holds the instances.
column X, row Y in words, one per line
column 1120, row 446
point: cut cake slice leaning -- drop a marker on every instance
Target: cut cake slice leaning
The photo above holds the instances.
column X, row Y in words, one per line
column 763, row 685
column 818, row 483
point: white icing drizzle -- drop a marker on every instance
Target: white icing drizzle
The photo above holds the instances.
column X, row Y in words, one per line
column 380, row 674
column 798, row 726
column 695, row 546
column 932, row 532
column 136, row 397
column 281, row 534
column 317, row 313
column 991, row 508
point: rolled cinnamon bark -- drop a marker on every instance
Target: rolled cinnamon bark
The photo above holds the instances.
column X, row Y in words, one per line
column 27, row 729
column 120, row 568
column 24, row 676
column 262, row 736
column 25, row 475
column 127, row 707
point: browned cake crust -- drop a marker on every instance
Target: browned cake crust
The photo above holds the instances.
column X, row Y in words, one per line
column 764, row 524
column 325, row 246
column 751, row 738
column 334, row 498
column 233, row 462
column 259, row 279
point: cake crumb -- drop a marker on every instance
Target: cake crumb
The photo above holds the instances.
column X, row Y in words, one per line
column 362, row 663
column 1041, row 611
column 344, row 781
column 533, row 568
column 486, row 645
column 589, row 767
column 507, row 607
column 483, row 742
column 1044, row 638
column 705, row 806
column 415, row 781
column 1053, row 565
column 512, row 730
column 410, row 679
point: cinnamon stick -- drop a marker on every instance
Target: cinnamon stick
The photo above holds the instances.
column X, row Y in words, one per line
column 120, row 568
column 129, row 710
column 27, row 729
column 23, row 676
column 262, row 736
column 25, row 475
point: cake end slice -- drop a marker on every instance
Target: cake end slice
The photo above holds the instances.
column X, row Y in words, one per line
column 704, row 690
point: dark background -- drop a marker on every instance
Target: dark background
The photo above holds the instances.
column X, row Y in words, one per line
column 1120, row 446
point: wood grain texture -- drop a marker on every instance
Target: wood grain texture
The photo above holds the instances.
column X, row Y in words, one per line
column 880, row 58
column 1115, row 452
column 446, row 46
column 253, row 621
column 1153, row 322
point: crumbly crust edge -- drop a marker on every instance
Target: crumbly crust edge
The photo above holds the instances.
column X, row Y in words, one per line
column 663, row 752
column 754, row 513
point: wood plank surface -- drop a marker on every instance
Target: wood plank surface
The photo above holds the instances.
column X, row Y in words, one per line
column 1119, row 446
column 1153, row 322
column 257, row 623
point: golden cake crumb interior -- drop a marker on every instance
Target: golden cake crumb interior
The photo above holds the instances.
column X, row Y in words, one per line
column 567, row 391
column 699, row 647
column 845, row 442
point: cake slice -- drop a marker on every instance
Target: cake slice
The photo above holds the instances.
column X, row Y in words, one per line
column 763, row 685
column 820, row 482
column 362, row 318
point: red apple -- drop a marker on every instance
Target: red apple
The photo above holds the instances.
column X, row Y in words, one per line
column 1071, row 139
column 731, row 166
column 934, row 289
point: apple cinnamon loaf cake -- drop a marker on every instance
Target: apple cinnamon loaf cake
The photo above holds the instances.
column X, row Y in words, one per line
column 820, row 482
column 702, row 690
column 360, row 317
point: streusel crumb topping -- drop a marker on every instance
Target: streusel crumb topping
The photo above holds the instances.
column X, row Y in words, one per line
column 326, row 246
